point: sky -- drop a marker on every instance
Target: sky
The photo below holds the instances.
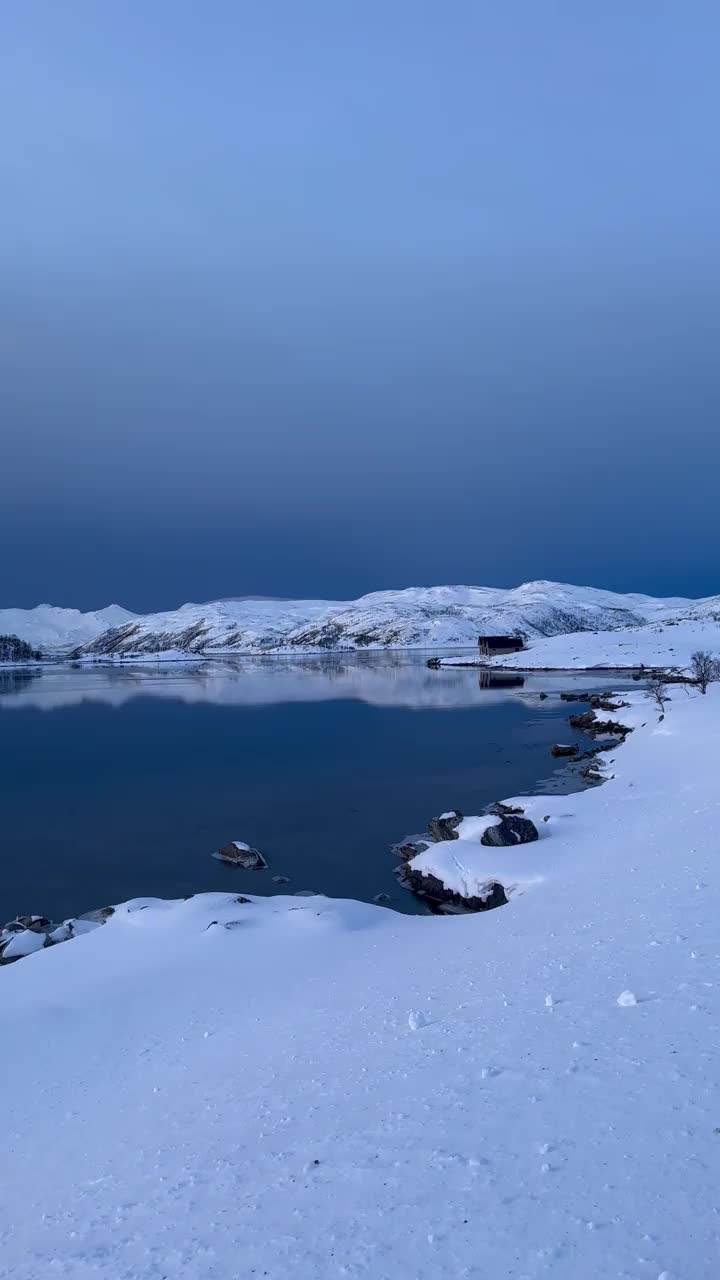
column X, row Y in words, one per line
column 311, row 299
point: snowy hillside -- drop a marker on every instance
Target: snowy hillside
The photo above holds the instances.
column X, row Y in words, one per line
column 667, row 644
column 55, row 630
column 419, row 617
column 296, row 1087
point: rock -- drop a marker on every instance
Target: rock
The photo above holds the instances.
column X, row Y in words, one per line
column 36, row 924
column 22, row 942
column 100, row 916
column 281, row 879
column 583, row 720
column 433, row 664
column 563, row 749
column 62, row 933
column 381, row 897
column 590, row 723
column 409, row 847
column 575, row 697
column 81, row 925
column 510, row 830
column 606, row 702
column 445, row 827
column 305, row 893
column 431, row 889
column 542, row 697
column 239, row 854
column 500, row 809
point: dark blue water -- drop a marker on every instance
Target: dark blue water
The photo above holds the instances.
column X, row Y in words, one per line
column 121, row 782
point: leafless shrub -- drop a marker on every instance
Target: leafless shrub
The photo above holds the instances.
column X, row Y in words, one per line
column 705, row 668
column 656, row 688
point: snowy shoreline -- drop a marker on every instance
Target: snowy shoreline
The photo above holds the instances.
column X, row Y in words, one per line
column 316, row 1084
column 26, row 934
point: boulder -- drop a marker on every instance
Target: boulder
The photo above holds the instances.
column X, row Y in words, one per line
column 21, row 942
column 564, row 749
column 409, row 847
column 445, row 827
column 590, row 723
column 239, row 854
column 510, row 830
column 438, row 897
column 583, row 720
column 36, row 924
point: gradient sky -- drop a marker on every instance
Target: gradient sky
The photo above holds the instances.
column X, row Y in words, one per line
column 312, row 298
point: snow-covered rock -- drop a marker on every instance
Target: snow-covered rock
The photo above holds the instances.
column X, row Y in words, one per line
column 24, row 942
column 239, row 854
column 508, row 831
column 417, row 617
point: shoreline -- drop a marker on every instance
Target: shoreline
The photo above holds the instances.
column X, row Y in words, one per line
column 536, row 1089
column 26, row 934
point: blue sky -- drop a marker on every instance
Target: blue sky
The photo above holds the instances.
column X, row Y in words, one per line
column 309, row 299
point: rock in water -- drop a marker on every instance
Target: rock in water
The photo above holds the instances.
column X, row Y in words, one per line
column 510, row 830
column 564, row 749
column 239, row 854
column 445, row 827
column 410, row 847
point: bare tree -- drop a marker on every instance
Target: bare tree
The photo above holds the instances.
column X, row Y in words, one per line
column 656, row 688
column 705, row 668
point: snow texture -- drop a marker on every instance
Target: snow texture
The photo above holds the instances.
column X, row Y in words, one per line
column 299, row 1087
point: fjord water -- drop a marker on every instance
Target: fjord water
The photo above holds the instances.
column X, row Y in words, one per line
column 120, row 781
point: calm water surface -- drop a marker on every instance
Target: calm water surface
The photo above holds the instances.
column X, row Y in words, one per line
column 119, row 782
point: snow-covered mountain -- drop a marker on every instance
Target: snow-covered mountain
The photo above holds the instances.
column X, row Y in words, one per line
column 56, row 630
column 418, row 617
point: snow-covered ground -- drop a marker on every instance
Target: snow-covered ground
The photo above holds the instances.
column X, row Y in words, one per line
column 297, row 1088
column 56, row 630
column 667, row 644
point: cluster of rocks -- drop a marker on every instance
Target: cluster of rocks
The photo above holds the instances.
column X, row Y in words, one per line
column 511, row 829
column 595, row 725
column 27, row 934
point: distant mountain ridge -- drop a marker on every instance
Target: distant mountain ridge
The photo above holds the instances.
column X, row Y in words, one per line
column 415, row 618
column 55, row 630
